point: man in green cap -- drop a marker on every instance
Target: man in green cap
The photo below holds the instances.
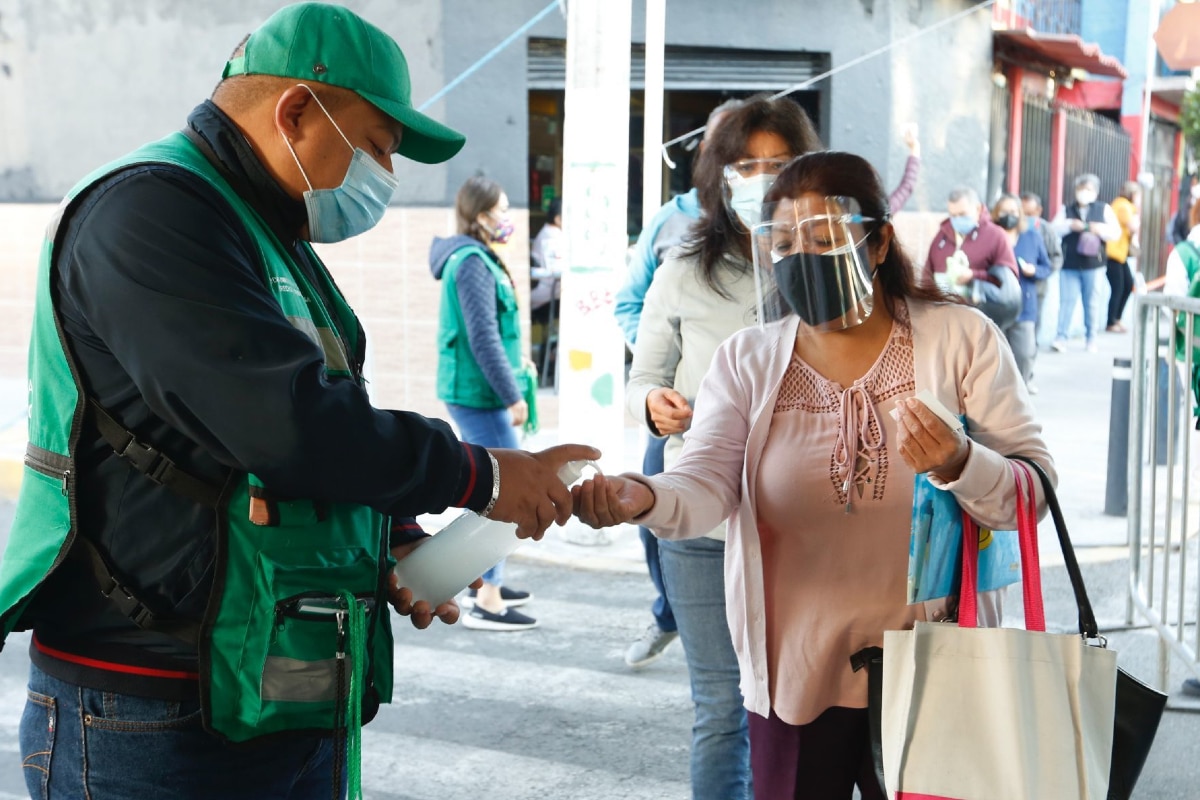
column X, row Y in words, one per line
column 203, row 540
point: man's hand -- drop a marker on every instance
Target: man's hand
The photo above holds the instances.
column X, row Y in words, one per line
column 1077, row 225
column 531, row 494
column 669, row 411
column 604, row 501
column 927, row 444
column 1027, row 269
column 420, row 613
column 519, row 412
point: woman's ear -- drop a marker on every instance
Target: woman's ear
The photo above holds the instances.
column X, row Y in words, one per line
column 883, row 244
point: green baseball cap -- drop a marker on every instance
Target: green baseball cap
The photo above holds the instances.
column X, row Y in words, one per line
column 325, row 43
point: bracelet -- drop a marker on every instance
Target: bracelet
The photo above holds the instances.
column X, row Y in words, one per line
column 495, row 487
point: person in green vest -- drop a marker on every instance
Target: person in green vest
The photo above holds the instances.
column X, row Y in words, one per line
column 479, row 357
column 211, row 505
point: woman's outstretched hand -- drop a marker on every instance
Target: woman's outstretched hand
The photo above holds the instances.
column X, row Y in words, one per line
column 607, row 500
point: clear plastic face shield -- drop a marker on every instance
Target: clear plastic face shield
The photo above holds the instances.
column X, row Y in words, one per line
column 746, row 184
column 811, row 259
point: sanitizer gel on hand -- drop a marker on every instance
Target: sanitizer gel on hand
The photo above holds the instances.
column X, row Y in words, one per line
column 465, row 549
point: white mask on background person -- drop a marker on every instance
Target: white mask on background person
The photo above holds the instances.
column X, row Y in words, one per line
column 1085, row 197
column 746, row 197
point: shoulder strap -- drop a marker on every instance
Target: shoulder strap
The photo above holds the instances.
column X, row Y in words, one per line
column 149, row 460
column 127, row 601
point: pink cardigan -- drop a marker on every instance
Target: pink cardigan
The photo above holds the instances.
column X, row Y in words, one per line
column 958, row 353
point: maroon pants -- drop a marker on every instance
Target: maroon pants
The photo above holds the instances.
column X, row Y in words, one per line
column 822, row 760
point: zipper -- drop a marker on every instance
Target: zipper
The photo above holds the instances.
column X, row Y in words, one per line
column 317, row 606
column 49, row 464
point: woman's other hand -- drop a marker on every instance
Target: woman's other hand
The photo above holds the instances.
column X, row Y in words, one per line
column 519, row 412
column 927, row 444
column 604, row 501
column 668, row 411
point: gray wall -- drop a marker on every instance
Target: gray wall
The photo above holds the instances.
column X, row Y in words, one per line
column 88, row 80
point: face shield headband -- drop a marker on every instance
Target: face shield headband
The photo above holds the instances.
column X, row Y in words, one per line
column 811, row 259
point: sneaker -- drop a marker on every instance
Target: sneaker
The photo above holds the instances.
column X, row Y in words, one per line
column 1091, row 346
column 649, row 646
column 479, row 619
column 1059, row 346
column 510, row 597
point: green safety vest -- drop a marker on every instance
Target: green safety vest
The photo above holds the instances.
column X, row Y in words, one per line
column 274, row 643
column 460, row 380
column 1189, row 254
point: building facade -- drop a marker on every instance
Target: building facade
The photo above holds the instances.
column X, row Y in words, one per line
column 84, row 81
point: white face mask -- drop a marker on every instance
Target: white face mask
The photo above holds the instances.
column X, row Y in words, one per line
column 746, row 197
column 1085, row 197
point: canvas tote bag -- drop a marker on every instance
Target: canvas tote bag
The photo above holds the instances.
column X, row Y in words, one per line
column 991, row 714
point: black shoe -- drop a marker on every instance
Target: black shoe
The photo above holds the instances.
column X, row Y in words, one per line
column 510, row 597
column 1191, row 687
column 507, row 620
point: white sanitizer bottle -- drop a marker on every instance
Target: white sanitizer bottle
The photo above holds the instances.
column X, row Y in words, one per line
column 465, row 549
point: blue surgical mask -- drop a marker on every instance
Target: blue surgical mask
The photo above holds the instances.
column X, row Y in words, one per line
column 963, row 224
column 354, row 207
column 746, row 197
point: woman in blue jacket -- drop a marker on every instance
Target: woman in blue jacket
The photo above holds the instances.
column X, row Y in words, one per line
column 479, row 352
column 1033, row 265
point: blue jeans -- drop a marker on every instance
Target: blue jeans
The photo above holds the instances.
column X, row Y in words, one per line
column 694, row 575
column 81, row 743
column 1073, row 285
column 652, row 464
column 486, row 427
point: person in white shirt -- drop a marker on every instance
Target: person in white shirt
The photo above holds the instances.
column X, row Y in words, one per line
column 548, row 252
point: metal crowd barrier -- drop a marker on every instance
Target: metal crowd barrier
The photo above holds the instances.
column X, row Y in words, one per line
column 1164, row 557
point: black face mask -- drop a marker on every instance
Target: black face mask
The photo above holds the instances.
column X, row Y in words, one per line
column 815, row 287
column 1008, row 221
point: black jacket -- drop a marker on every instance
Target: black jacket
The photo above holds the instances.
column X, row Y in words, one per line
column 166, row 313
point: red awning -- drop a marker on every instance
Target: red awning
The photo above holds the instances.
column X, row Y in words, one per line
column 1178, row 37
column 1060, row 49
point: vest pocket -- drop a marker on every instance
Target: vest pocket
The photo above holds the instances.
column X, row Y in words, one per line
column 304, row 663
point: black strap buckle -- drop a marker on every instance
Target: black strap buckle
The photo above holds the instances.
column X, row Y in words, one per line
column 148, row 460
column 128, row 605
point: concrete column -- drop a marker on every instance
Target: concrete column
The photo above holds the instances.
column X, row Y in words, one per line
column 1016, row 117
column 591, row 349
column 1058, row 157
column 652, row 163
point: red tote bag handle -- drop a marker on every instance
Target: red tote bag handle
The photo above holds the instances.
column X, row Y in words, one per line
column 1031, row 571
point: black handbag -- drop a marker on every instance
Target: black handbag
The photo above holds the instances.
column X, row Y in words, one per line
column 1139, row 708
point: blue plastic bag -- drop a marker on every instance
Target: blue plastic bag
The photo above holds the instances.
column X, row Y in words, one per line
column 935, row 547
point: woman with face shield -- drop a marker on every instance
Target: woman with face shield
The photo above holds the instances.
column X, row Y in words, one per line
column 1034, row 265
column 703, row 293
column 808, row 436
